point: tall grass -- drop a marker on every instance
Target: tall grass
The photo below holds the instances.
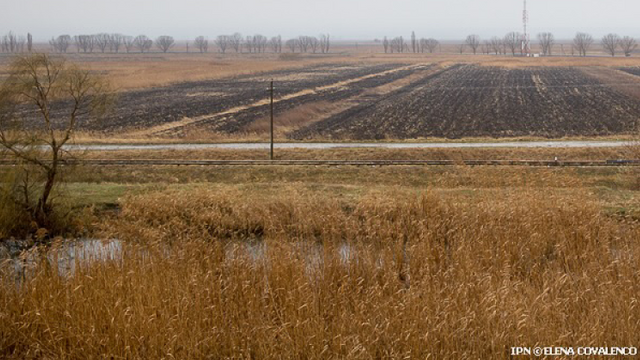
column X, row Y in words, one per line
column 423, row 278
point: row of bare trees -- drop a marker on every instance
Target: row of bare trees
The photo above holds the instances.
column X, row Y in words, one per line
column 261, row 44
column 581, row 44
column 13, row 43
column 612, row 42
column 142, row 43
column 110, row 43
column 512, row 43
column 398, row 45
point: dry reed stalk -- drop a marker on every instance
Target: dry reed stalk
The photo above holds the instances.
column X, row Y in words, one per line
column 527, row 269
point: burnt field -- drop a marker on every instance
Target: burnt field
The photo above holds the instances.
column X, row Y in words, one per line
column 385, row 101
column 473, row 101
column 632, row 70
column 236, row 97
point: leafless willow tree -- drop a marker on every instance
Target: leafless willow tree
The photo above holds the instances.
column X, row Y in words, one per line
column 385, row 45
column 128, row 43
column 260, row 43
column 397, row 45
column 276, row 44
column 115, row 42
column 610, row 43
column 102, row 41
column 256, row 44
column 292, row 44
column 248, row 44
column 485, row 47
column 546, row 40
column 61, row 43
column 496, row 45
column 37, row 85
column 314, row 44
column 143, row 43
column 84, row 43
column 235, row 41
column 12, row 43
column 512, row 41
column 414, row 44
column 429, row 45
column 202, row 44
column 628, row 45
column 304, row 43
column 582, row 42
column 325, row 43
column 165, row 43
column 223, row 42
column 473, row 41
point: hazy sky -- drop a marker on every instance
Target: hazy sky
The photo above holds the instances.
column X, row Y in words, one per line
column 343, row 19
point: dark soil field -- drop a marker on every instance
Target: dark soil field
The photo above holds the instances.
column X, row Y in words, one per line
column 473, row 101
column 632, row 70
column 386, row 101
column 146, row 108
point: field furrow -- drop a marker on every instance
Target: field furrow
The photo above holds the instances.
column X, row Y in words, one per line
column 473, row 101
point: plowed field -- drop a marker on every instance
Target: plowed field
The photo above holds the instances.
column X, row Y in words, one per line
column 471, row 101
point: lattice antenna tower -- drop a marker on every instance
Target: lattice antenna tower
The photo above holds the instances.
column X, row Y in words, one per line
column 526, row 40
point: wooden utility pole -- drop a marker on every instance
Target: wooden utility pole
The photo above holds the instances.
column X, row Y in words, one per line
column 271, row 93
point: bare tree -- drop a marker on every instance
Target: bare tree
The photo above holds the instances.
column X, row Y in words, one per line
column 84, row 43
column 260, row 43
column 115, row 42
column 385, row 44
column 496, row 45
column 314, row 44
column 276, row 44
column 29, row 42
column 582, row 42
column 462, row 47
column 325, row 43
column 143, row 43
column 485, row 47
column 546, row 40
column 235, row 41
column 40, row 85
column 128, row 43
column 303, row 43
column 20, row 44
column 473, row 41
column 164, row 43
column 202, row 44
column 610, row 43
column 292, row 44
column 248, row 44
column 61, row 43
column 512, row 42
column 102, row 41
column 628, row 45
column 429, row 45
column 413, row 42
column 397, row 45
column 223, row 43
column 11, row 43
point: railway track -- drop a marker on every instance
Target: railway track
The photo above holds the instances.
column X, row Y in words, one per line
column 532, row 163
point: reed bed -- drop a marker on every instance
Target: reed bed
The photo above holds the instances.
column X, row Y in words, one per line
column 423, row 277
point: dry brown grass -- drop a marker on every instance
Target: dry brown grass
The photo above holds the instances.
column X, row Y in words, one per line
column 291, row 119
column 377, row 154
column 132, row 71
column 424, row 277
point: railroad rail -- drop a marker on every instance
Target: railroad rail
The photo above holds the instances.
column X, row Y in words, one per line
column 532, row 163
